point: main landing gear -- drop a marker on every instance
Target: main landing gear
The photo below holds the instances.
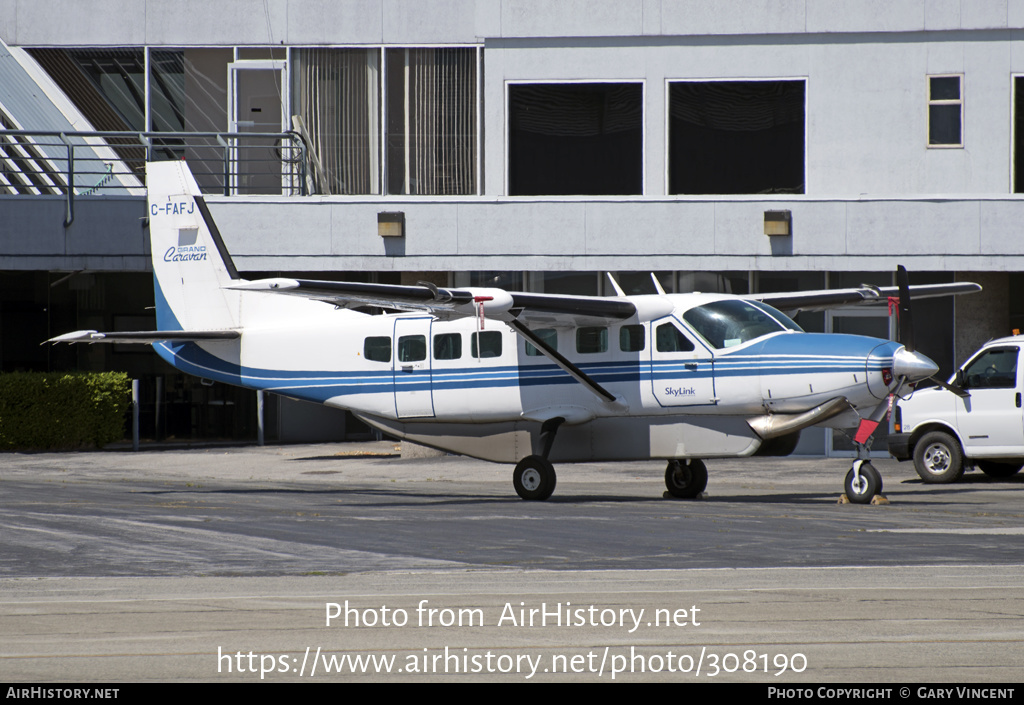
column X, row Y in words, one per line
column 534, row 476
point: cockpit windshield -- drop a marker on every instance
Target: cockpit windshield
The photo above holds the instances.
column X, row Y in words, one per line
column 735, row 321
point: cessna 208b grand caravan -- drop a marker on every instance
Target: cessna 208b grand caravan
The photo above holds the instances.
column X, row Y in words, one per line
column 526, row 378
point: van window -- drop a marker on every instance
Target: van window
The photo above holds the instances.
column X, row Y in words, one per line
column 993, row 369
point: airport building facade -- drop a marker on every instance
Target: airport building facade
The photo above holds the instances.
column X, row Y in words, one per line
column 741, row 146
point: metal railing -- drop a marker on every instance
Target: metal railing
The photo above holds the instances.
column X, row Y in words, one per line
column 77, row 164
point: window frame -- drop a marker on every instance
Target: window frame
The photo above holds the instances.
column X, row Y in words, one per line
column 667, row 137
column 939, row 102
column 642, row 82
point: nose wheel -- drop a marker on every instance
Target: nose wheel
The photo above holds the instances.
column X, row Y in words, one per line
column 863, row 482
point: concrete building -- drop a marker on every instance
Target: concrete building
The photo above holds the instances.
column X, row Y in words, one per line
column 532, row 144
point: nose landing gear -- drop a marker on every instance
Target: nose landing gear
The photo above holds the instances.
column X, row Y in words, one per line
column 863, row 482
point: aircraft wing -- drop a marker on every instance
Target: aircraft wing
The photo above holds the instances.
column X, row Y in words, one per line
column 448, row 303
column 146, row 336
column 863, row 295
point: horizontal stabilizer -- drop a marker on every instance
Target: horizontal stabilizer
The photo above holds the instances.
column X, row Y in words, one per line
column 146, row 336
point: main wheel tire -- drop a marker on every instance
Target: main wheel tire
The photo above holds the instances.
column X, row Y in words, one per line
column 534, row 478
column 686, row 479
column 863, row 490
column 938, row 458
column 997, row 470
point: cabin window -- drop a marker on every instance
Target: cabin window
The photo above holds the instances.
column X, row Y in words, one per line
column 412, row 348
column 592, row 339
column 377, row 348
column 632, row 339
column 548, row 335
column 485, row 344
column 668, row 338
column 448, row 346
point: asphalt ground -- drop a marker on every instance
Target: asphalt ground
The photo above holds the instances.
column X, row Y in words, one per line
column 348, row 562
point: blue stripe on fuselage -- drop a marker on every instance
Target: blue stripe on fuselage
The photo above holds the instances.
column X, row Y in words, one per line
column 805, row 353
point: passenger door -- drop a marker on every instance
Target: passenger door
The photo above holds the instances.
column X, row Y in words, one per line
column 411, row 368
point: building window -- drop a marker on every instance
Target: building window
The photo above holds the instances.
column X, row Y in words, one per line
column 945, row 111
column 575, row 139
column 337, row 103
column 431, row 121
column 1018, row 135
column 737, row 137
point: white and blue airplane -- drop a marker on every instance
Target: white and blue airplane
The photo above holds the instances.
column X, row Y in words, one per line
column 526, row 378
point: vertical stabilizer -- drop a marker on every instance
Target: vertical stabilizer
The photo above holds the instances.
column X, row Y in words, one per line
column 191, row 266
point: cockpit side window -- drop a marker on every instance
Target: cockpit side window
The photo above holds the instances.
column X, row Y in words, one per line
column 668, row 338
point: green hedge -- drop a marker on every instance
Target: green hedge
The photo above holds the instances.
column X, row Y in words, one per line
column 59, row 410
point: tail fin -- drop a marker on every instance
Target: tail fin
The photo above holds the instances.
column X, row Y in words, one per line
column 191, row 266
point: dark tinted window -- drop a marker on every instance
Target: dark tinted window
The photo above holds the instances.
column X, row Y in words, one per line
column 377, row 348
column 489, row 344
column 448, row 346
column 631, row 338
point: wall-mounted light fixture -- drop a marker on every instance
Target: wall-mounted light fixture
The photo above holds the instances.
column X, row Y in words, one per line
column 778, row 223
column 391, row 224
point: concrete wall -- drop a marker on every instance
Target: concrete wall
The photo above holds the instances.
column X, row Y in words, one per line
column 652, row 234
column 107, row 234
column 197, row 22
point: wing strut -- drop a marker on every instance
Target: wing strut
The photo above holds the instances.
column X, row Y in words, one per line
column 560, row 360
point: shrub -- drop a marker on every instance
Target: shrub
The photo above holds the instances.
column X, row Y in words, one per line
column 59, row 411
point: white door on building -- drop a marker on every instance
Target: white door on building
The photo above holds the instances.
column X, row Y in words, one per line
column 256, row 106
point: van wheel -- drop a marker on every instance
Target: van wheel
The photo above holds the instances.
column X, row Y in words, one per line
column 938, row 458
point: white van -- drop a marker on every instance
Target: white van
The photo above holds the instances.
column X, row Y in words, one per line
column 943, row 433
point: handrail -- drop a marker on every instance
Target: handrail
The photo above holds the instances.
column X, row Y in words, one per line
column 78, row 164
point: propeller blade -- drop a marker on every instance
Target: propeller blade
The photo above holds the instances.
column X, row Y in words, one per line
column 906, row 322
column 959, row 391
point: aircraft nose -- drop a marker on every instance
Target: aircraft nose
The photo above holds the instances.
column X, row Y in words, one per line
column 912, row 365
